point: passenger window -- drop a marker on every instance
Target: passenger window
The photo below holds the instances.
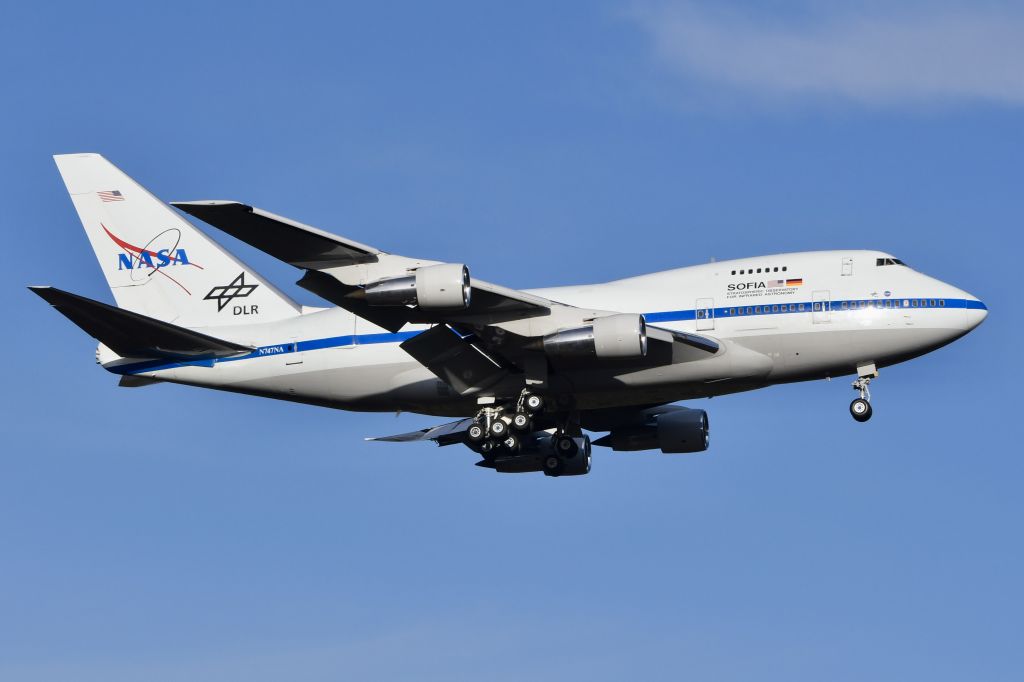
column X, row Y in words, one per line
column 750, row 311
column 845, row 305
column 757, row 310
column 776, row 269
column 775, row 308
column 792, row 307
column 759, row 271
column 800, row 306
column 906, row 303
column 817, row 306
column 783, row 268
column 732, row 311
column 913, row 303
column 942, row 303
column 931, row 303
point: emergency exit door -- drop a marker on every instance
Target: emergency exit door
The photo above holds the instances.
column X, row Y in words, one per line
column 705, row 314
column 821, row 306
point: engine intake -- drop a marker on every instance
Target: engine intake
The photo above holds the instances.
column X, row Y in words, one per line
column 615, row 336
column 434, row 287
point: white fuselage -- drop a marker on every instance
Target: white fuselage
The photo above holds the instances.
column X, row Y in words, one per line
column 781, row 318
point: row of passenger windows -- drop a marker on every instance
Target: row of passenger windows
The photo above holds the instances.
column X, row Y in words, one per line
column 750, row 271
column 758, row 309
column 890, row 303
column 844, row 305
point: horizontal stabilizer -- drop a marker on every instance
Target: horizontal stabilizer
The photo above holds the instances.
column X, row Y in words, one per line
column 300, row 245
column 132, row 335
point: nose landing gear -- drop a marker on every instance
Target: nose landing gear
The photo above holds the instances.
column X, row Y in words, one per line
column 860, row 408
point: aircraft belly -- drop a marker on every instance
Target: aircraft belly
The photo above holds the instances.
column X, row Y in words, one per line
column 838, row 351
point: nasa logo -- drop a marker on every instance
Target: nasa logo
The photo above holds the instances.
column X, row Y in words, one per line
column 141, row 262
column 145, row 259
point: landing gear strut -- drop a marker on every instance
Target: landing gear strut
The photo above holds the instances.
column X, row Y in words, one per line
column 493, row 427
column 860, row 408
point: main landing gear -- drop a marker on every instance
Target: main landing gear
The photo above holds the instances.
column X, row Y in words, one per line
column 516, row 437
column 860, row 408
column 494, row 428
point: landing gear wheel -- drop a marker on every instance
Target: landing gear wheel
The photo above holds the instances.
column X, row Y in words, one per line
column 476, row 432
column 521, row 421
column 486, row 446
column 552, row 465
column 860, row 409
column 511, row 442
column 533, row 402
column 565, row 446
column 499, row 428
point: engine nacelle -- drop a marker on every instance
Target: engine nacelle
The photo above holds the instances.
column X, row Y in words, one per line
column 674, row 432
column 683, row 431
column 615, row 336
column 434, row 287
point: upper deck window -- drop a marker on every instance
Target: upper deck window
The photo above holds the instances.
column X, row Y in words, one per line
column 888, row 261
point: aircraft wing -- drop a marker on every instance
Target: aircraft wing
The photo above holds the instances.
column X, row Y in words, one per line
column 339, row 268
column 444, row 434
column 470, row 348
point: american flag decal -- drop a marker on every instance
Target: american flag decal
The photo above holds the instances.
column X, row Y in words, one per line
column 111, row 195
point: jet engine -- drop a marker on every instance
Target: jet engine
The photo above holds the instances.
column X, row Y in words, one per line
column 538, row 453
column 616, row 336
column 433, row 287
column 680, row 431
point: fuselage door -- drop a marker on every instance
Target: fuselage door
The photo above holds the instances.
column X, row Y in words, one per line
column 705, row 314
column 293, row 354
column 821, row 306
column 847, row 267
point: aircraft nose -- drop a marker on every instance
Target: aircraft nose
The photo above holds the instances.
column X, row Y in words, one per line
column 976, row 312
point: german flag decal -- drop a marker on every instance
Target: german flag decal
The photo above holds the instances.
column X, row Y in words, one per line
column 795, row 282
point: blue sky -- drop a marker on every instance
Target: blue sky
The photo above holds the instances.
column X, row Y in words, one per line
column 175, row 534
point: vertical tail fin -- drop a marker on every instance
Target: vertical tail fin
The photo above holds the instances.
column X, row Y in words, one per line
column 156, row 263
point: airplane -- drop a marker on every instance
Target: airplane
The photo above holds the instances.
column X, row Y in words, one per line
column 525, row 373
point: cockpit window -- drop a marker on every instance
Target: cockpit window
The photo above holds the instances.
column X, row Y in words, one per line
column 888, row 261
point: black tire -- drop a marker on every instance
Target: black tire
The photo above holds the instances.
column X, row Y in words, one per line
column 511, row 442
column 553, row 465
column 533, row 403
column 860, row 409
column 499, row 428
column 486, row 446
column 565, row 446
column 521, row 421
column 476, row 432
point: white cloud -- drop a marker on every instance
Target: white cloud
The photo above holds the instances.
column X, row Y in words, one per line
column 875, row 56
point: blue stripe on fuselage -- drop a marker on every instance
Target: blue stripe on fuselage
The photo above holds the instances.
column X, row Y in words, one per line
column 726, row 312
